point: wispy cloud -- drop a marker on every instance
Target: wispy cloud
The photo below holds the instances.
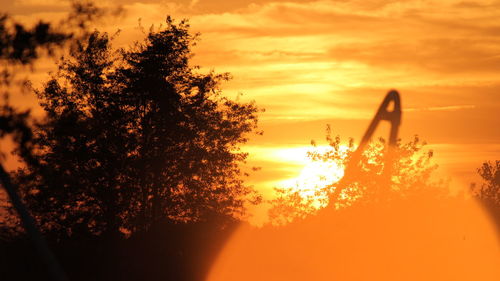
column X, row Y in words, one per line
column 313, row 62
column 441, row 108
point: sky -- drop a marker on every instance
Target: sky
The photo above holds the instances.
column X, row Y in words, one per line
column 313, row 63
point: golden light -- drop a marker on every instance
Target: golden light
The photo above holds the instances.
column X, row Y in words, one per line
column 424, row 236
column 314, row 177
column 422, row 239
column 315, row 174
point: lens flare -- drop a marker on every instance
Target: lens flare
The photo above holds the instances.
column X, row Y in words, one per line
column 420, row 239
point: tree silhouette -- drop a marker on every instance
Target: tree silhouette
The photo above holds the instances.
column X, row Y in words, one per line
column 136, row 137
column 410, row 176
column 20, row 47
column 488, row 192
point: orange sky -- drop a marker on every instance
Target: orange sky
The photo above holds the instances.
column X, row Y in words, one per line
column 312, row 63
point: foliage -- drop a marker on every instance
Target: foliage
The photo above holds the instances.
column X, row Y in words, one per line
column 20, row 46
column 489, row 190
column 136, row 137
column 371, row 181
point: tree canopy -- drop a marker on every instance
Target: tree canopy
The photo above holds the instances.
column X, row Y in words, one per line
column 135, row 137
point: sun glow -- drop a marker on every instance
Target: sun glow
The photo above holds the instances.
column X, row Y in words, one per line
column 315, row 175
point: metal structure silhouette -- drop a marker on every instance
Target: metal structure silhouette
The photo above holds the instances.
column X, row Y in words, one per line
column 384, row 113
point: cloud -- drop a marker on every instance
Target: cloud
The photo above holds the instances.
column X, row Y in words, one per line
column 310, row 63
column 441, row 108
column 443, row 55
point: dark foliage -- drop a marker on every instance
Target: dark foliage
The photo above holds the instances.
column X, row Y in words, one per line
column 19, row 44
column 136, row 143
column 134, row 138
column 488, row 192
column 22, row 46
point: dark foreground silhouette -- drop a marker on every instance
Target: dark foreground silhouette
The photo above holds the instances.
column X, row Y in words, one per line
column 170, row 252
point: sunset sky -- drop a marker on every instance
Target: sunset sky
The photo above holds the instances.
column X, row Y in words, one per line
column 313, row 63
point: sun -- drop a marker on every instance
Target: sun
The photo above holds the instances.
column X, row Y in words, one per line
column 314, row 176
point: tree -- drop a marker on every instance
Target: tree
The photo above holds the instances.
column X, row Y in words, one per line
column 21, row 46
column 136, row 137
column 410, row 176
column 488, row 192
